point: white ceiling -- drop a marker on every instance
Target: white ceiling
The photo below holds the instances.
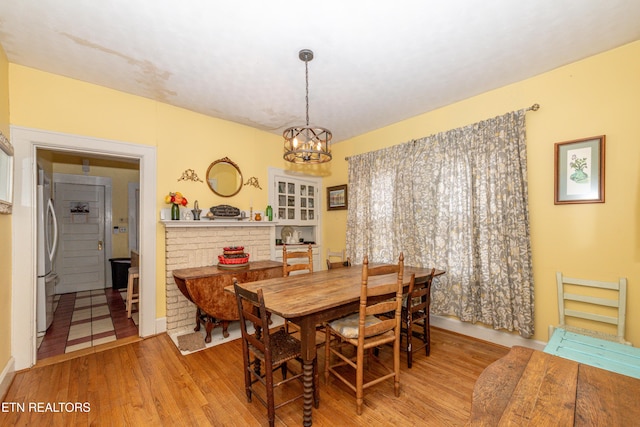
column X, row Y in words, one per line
column 376, row 62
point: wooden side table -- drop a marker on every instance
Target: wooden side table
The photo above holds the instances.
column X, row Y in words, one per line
column 204, row 286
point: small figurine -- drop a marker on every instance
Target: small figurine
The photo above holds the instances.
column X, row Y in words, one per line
column 196, row 211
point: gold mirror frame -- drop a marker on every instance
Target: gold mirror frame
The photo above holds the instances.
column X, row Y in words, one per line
column 224, row 177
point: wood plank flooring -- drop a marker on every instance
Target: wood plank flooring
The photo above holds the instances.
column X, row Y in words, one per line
column 150, row 383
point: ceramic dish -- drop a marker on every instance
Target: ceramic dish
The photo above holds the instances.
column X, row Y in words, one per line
column 286, row 233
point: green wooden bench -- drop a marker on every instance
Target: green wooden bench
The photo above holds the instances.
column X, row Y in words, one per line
column 604, row 354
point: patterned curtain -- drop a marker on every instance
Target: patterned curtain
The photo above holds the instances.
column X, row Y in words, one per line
column 456, row 201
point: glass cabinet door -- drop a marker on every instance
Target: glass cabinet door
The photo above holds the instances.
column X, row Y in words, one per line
column 307, row 202
column 296, row 201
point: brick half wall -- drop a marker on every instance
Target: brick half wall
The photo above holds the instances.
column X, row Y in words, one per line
column 190, row 246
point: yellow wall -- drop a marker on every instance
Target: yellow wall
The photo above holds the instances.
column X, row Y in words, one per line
column 5, row 229
column 595, row 96
column 184, row 139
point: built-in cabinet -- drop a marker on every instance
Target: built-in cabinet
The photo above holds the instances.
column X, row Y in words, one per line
column 296, row 204
column 295, row 200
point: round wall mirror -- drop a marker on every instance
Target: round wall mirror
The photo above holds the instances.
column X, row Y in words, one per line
column 224, row 177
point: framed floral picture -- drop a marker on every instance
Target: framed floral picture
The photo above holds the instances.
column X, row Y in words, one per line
column 579, row 171
column 337, row 197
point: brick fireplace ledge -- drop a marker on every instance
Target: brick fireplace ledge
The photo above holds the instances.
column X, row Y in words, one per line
column 217, row 223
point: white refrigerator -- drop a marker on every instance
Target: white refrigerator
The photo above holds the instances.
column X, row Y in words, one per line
column 47, row 244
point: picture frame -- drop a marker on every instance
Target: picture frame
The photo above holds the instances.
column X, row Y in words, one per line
column 6, row 175
column 579, row 171
column 337, row 197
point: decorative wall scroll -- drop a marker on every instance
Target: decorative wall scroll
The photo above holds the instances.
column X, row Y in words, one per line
column 190, row 175
column 254, row 182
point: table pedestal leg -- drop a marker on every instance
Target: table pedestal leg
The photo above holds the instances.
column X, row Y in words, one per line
column 197, row 328
column 308, row 349
column 209, row 325
column 307, row 381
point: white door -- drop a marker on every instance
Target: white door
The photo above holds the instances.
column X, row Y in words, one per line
column 80, row 263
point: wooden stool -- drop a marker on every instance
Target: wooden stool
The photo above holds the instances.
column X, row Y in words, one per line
column 131, row 296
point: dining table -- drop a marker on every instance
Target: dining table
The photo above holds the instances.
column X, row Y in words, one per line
column 311, row 299
column 529, row 387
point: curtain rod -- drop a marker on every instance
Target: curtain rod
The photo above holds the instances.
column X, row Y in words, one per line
column 534, row 107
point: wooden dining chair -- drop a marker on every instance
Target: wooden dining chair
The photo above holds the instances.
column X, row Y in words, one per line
column 265, row 352
column 299, row 258
column 337, row 259
column 301, row 267
column 597, row 304
column 366, row 330
column 415, row 313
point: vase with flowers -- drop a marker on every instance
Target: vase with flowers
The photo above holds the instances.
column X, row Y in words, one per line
column 176, row 199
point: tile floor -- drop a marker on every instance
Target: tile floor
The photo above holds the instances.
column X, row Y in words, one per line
column 86, row 319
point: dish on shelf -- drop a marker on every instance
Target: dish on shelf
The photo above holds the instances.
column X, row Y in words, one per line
column 286, row 233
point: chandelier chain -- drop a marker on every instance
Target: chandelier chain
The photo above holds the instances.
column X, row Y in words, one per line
column 306, row 78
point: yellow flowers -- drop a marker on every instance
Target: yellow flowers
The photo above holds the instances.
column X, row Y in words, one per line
column 176, row 198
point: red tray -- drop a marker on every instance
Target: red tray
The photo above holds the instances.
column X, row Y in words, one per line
column 229, row 261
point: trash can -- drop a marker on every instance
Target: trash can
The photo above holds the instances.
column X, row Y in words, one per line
column 119, row 272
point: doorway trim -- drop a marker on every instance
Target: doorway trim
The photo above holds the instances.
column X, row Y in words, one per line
column 26, row 141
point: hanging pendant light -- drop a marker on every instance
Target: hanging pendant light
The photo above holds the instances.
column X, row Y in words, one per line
column 305, row 144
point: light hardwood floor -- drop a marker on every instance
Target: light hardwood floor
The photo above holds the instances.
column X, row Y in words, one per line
column 149, row 382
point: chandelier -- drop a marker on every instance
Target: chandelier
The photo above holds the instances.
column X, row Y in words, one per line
column 305, row 144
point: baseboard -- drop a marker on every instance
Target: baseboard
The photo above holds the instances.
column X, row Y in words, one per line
column 484, row 333
column 161, row 325
column 6, row 377
column 451, row 324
